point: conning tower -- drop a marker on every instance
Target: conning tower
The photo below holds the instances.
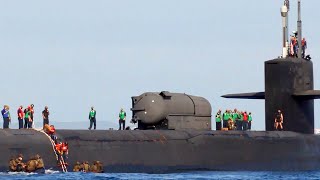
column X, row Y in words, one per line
column 288, row 87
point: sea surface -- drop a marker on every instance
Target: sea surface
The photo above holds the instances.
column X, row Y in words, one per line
column 183, row 176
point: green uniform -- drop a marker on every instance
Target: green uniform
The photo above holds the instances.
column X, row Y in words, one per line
column 27, row 115
column 240, row 117
column 225, row 116
column 218, row 118
column 235, row 116
column 249, row 118
column 92, row 114
column 122, row 115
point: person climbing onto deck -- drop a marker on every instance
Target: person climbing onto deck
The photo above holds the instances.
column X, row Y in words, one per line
column 58, row 149
column 122, row 119
column 92, row 118
column 6, row 117
column 65, row 152
column 50, row 130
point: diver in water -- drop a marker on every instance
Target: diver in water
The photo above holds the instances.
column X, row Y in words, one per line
column 35, row 164
column 77, row 167
column 16, row 164
column 100, row 167
column 94, row 167
column 85, row 167
column 31, row 165
column 39, row 165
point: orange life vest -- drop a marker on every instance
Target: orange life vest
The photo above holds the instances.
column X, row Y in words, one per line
column 64, row 147
column 58, row 147
column 52, row 130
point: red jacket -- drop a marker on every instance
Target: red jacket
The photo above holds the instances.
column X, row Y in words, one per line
column 20, row 113
column 64, row 147
column 245, row 116
column 58, row 147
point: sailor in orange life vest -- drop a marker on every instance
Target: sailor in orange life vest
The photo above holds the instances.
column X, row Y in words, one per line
column 51, row 132
column 64, row 149
column 58, row 146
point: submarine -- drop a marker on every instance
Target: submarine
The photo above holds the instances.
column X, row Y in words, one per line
column 174, row 130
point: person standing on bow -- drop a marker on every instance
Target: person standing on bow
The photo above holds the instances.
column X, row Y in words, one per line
column 6, row 117
column 92, row 118
column 122, row 119
column 20, row 116
column 45, row 116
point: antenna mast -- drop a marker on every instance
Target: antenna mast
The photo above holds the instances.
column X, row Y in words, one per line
column 299, row 28
column 285, row 39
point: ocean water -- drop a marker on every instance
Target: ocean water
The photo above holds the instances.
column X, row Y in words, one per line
column 228, row 175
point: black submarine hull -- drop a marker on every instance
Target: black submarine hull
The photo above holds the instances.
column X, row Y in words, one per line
column 165, row 151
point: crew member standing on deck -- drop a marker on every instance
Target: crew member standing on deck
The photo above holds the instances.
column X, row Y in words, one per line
column 240, row 121
column 225, row 118
column 20, row 117
column 218, row 120
column 45, row 116
column 122, row 119
column 32, row 115
column 304, row 47
column 6, row 117
column 278, row 120
column 27, row 118
column 245, row 121
column 249, row 121
column 92, row 118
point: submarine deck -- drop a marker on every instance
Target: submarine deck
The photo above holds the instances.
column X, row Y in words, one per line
column 171, row 151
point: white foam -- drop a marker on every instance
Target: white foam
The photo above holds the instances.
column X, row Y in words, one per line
column 50, row 171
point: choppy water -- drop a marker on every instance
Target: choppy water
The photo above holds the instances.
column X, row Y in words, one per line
column 183, row 176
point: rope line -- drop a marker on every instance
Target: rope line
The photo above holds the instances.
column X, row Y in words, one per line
column 63, row 166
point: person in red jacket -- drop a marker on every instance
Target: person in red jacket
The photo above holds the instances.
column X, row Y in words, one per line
column 245, row 121
column 65, row 151
column 58, row 146
column 20, row 117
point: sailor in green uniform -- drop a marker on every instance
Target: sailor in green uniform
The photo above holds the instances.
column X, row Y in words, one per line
column 92, row 118
column 122, row 119
column 225, row 117
column 240, row 120
column 235, row 117
column 218, row 120
column 250, row 120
